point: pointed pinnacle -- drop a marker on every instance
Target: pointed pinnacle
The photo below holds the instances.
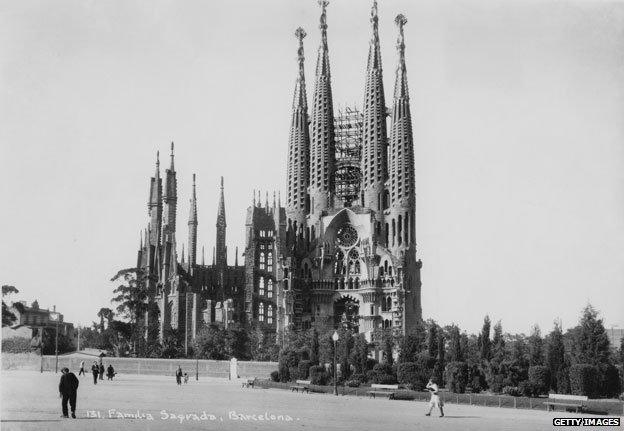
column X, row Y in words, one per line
column 172, row 168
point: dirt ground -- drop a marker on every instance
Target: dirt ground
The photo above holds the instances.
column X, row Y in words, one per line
column 30, row 401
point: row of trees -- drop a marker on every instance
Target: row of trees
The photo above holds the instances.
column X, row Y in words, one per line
column 577, row 361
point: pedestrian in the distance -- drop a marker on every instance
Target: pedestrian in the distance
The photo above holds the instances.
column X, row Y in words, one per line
column 110, row 372
column 82, row 371
column 95, row 369
column 435, row 401
column 101, row 370
column 185, row 378
column 179, row 375
column 68, row 390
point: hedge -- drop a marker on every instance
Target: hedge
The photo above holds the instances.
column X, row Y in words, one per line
column 539, row 378
column 457, row 374
column 584, row 380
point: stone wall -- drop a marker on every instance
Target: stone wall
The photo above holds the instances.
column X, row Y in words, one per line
column 165, row 367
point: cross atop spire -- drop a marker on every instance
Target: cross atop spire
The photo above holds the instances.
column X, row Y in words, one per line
column 172, row 168
column 374, row 53
column 400, row 87
column 322, row 65
column 300, row 34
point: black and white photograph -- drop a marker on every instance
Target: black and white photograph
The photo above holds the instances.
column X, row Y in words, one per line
column 312, row 214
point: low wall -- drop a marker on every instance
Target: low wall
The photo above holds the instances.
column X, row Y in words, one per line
column 166, row 367
column 20, row 361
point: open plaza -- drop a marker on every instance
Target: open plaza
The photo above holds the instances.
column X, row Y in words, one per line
column 30, row 401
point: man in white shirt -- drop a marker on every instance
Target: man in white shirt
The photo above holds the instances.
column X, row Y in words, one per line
column 435, row 401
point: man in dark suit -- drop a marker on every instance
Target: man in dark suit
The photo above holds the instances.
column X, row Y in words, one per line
column 68, row 388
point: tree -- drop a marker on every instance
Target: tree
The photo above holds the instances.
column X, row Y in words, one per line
column 8, row 317
column 555, row 354
column 410, row 347
column 388, row 345
column 131, row 299
column 455, row 353
column 590, row 343
column 105, row 313
column 432, row 339
column 484, row 339
column 359, row 354
column 536, row 348
column 314, row 347
column 498, row 342
column 440, row 363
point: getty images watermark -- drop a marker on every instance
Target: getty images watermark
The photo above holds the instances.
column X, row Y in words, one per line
column 586, row 422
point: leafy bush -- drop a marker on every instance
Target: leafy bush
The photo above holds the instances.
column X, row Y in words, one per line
column 382, row 374
column 563, row 380
column 583, row 379
column 293, row 373
column 361, row 378
column 275, row 376
column 284, row 373
column 527, row 389
column 304, row 368
column 611, row 382
column 457, row 376
column 409, row 374
column 352, row 383
column 384, row 379
column 370, row 363
column 318, row 375
column 539, row 378
column 16, row 345
column 511, row 391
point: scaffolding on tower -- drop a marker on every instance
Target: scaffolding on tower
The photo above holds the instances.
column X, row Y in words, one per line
column 348, row 133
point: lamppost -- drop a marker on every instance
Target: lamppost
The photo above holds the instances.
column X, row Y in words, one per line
column 335, row 337
column 55, row 318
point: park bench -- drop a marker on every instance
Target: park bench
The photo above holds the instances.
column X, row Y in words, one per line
column 576, row 402
column 304, row 385
column 383, row 390
column 249, row 383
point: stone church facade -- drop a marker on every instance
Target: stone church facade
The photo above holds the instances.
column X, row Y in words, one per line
column 340, row 252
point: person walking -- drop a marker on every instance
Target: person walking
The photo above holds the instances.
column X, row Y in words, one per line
column 179, row 376
column 110, row 372
column 435, row 401
column 101, row 370
column 95, row 369
column 82, row 371
column 68, row 390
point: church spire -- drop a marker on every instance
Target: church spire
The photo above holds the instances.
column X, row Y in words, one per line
column 170, row 202
column 299, row 144
column 221, row 252
column 401, row 166
column 322, row 142
column 155, row 204
column 192, row 228
column 374, row 134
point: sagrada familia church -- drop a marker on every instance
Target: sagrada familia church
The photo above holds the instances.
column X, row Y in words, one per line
column 342, row 252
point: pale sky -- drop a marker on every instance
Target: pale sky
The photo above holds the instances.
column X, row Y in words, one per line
column 517, row 109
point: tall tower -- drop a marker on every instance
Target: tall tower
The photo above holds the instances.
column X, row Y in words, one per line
column 374, row 139
column 155, row 206
column 192, row 230
column 221, row 250
column 402, row 182
column 170, row 201
column 322, row 154
column 298, row 147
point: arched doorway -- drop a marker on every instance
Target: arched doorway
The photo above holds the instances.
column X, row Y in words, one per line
column 346, row 313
